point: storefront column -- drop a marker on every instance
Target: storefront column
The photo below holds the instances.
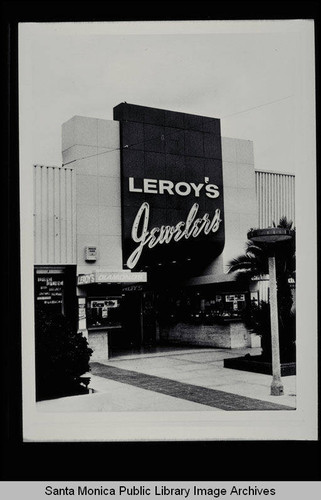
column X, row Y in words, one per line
column 277, row 385
column 82, row 323
column 98, row 342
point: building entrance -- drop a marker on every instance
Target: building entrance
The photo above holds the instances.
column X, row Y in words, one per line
column 118, row 318
column 132, row 320
column 138, row 323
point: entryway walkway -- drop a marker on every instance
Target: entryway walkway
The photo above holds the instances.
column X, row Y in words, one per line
column 195, row 393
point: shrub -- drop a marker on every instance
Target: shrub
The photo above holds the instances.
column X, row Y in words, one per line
column 258, row 319
column 62, row 356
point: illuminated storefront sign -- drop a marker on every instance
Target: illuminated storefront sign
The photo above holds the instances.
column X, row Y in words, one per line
column 172, row 187
column 85, row 279
column 111, row 277
column 154, row 186
column 192, row 227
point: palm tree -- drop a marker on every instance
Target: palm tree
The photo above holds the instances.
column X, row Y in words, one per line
column 254, row 262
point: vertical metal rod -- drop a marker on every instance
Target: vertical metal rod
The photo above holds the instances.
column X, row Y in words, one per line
column 276, row 386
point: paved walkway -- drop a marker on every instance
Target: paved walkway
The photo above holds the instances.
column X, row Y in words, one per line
column 176, row 379
column 197, row 394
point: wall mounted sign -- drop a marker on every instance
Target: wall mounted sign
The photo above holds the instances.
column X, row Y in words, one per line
column 111, row 277
column 85, row 279
column 172, row 187
column 50, row 291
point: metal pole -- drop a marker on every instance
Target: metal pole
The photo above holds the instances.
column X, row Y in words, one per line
column 276, row 386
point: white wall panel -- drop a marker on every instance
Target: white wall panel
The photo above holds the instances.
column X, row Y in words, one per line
column 275, row 194
column 54, row 215
column 92, row 146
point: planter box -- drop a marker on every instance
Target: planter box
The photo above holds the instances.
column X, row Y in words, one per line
column 256, row 365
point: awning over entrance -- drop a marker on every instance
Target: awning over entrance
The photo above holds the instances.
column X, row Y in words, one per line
column 111, row 277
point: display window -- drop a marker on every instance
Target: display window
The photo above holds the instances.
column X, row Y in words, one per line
column 103, row 312
column 201, row 307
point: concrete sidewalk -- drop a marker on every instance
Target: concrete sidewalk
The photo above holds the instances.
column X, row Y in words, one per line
column 176, row 379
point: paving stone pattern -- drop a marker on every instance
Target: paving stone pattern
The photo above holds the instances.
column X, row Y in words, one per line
column 203, row 395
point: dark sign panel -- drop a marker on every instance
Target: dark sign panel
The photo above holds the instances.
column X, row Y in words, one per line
column 172, row 191
column 49, row 291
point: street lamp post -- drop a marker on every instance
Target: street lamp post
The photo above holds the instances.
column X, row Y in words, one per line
column 270, row 237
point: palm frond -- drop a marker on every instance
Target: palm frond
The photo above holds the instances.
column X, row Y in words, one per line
column 254, row 250
column 247, row 263
column 254, row 261
column 285, row 223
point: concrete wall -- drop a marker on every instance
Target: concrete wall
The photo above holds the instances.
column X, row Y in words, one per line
column 240, row 207
column 239, row 195
column 91, row 146
column 98, row 342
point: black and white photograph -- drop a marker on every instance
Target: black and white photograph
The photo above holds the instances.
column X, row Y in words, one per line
column 168, row 230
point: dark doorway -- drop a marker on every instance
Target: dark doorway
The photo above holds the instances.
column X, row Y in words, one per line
column 130, row 335
column 138, row 318
column 148, row 319
column 132, row 319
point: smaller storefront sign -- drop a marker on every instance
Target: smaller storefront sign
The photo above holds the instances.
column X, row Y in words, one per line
column 111, row 277
column 122, row 277
column 81, row 311
column 49, row 289
column 97, row 303
column 104, row 303
column 85, row 279
column 133, row 288
column 233, row 298
column 82, row 314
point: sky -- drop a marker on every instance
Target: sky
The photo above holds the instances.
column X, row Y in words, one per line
column 248, row 74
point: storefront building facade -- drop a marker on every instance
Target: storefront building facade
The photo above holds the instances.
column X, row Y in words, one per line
column 139, row 224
